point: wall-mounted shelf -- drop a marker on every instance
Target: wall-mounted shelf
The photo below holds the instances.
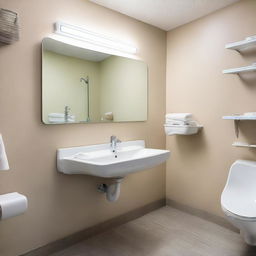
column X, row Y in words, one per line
column 242, row 144
column 241, row 45
column 238, row 46
column 239, row 117
column 181, row 129
column 240, row 70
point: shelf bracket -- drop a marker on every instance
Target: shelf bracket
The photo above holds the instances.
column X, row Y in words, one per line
column 236, row 124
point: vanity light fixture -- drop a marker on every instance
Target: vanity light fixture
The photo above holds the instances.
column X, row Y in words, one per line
column 85, row 35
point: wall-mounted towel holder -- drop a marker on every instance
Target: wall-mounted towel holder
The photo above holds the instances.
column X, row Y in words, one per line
column 181, row 129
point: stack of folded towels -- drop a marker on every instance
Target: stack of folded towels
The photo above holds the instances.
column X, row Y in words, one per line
column 179, row 119
column 58, row 118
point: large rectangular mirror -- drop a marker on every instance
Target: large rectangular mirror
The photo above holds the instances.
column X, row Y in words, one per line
column 80, row 85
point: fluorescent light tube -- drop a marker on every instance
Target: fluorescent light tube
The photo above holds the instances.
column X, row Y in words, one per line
column 82, row 34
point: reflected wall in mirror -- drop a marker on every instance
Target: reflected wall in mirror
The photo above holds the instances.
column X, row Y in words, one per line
column 80, row 85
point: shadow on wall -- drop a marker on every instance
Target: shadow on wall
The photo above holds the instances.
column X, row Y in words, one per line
column 191, row 144
column 249, row 52
column 246, row 135
column 249, row 80
column 247, row 129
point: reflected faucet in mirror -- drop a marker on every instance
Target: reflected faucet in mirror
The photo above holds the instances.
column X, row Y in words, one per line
column 61, row 118
column 86, row 81
column 66, row 113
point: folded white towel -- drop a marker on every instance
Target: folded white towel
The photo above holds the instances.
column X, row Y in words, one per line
column 61, row 121
column 4, row 165
column 57, row 115
column 193, row 123
column 182, row 123
column 179, row 116
column 175, row 122
column 62, row 118
column 59, row 118
column 71, row 118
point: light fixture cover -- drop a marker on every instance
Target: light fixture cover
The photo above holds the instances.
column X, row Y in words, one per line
column 91, row 37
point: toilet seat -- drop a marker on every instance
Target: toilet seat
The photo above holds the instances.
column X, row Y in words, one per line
column 239, row 217
column 238, row 199
column 239, row 195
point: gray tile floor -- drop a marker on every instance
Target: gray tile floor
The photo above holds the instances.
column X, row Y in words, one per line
column 164, row 232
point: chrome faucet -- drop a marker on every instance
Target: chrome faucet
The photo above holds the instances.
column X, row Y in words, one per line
column 113, row 142
column 66, row 113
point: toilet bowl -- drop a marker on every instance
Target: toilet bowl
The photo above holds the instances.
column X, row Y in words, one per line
column 238, row 199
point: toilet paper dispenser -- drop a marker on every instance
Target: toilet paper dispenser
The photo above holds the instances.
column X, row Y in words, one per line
column 12, row 204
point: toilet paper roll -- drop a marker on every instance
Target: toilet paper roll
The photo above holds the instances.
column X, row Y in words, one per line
column 12, row 204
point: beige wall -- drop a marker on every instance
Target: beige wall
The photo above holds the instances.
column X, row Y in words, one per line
column 123, row 88
column 199, row 165
column 62, row 86
column 59, row 204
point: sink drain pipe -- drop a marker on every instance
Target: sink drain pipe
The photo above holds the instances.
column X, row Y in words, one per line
column 112, row 191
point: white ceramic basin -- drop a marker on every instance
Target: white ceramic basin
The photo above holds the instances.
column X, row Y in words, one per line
column 99, row 160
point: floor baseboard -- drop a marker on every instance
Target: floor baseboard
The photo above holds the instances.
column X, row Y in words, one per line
column 89, row 232
column 202, row 214
column 117, row 221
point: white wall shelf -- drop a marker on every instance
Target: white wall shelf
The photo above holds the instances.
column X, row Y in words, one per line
column 239, row 117
column 241, row 45
column 238, row 46
column 242, row 144
column 240, row 70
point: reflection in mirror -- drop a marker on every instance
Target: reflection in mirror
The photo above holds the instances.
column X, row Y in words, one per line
column 80, row 86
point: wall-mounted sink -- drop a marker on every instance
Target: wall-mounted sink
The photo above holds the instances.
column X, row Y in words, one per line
column 102, row 161
column 99, row 160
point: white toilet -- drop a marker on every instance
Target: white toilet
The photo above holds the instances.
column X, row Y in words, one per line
column 238, row 199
